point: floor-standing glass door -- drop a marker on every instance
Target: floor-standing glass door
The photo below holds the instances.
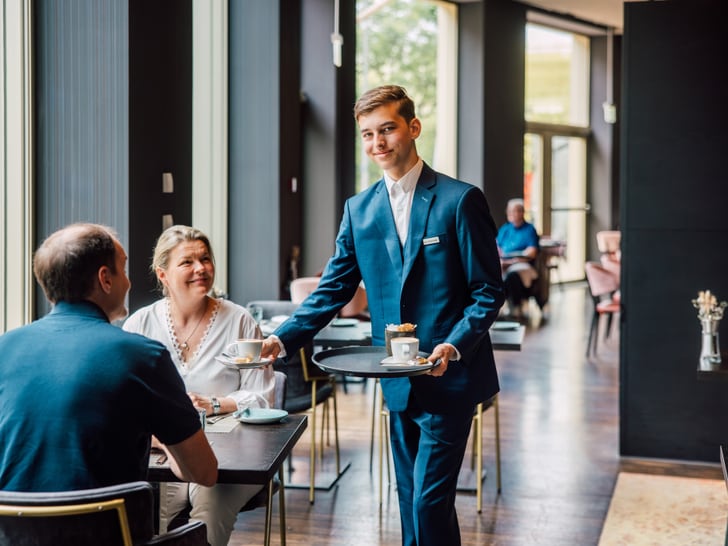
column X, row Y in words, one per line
column 554, row 191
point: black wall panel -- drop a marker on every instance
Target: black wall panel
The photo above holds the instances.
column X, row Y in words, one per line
column 674, row 223
column 160, row 130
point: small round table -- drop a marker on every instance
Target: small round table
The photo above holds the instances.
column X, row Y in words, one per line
column 366, row 362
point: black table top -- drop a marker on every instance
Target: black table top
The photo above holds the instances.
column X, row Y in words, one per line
column 247, row 454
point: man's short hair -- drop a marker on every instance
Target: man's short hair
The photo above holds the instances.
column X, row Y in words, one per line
column 66, row 265
column 382, row 95
column 516, row 202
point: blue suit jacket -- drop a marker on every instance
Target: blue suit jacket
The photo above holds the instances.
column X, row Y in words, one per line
column 446, row 279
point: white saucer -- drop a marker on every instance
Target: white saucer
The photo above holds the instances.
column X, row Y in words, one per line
column 260, row 416
column 505, row 325
column 231, row 362
column 392, row 363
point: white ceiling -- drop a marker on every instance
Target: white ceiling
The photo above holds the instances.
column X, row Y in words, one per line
column 602, row 12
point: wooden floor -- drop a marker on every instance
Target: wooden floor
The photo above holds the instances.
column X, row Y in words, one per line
column 559, row 449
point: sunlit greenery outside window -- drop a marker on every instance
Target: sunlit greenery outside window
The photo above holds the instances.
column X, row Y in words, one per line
column 557, row 76
column 397, row 44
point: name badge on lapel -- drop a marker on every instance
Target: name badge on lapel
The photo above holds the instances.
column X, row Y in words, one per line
column 431, row 241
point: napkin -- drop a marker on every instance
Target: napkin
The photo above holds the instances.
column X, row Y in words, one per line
column 223, row 425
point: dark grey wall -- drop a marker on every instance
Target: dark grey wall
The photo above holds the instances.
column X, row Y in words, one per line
column 81, row 116
column 603, row 164
column 674, row 225
column 265, row 213
column 160, row 130
column 328, row 128
column 504, row 46
column 254, row 150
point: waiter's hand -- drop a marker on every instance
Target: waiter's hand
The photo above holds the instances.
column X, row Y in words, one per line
column 445, row 352
column 270, row 348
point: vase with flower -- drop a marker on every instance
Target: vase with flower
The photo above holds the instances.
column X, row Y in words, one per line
column 710, row 312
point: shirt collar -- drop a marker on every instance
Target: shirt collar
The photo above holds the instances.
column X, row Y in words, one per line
column 408, row 181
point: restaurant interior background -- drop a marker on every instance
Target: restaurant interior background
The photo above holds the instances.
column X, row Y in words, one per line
column 233, row 117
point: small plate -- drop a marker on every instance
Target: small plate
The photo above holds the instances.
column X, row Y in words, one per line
column 391, row 363
column 505, row 325
column 260, row 416
column 232, row 362
column 344, row 322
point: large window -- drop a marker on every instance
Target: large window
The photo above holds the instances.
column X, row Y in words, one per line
column 411, row 43
column 555, row 144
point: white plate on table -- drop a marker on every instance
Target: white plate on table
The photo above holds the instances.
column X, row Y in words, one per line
column 339, row 322
column 505, row 325
column 260, row 416
column 235, row 362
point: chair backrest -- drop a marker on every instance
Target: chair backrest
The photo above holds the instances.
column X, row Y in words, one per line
column 613, row 264
column 302, row 287
column 279, row 392
column 601, row 281
column 119, row 514
column 357, row 305
column 272, row 308
column 608, row 241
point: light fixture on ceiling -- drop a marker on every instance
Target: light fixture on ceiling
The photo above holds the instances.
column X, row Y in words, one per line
column 337, row 40
column 610, row 110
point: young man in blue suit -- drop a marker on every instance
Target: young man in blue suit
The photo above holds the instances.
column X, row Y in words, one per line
column 424, row 245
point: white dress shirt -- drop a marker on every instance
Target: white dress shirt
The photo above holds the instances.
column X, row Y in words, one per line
column 401, row 193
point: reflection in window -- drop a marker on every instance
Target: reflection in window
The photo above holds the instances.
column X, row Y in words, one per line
column 398, row 43
column 557, row 76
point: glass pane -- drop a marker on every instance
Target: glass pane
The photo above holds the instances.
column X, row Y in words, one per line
column 568, row 203
column 557, row 76
column 397, row 43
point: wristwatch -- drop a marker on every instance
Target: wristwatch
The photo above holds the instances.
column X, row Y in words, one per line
column 215, row 405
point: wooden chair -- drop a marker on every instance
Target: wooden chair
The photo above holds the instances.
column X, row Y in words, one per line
column 116, row 515
column 602, row 285
column 478, row 447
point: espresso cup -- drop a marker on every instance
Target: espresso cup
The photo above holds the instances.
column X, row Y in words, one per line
column 247, row 349
column 397, row 330
column 405, row 348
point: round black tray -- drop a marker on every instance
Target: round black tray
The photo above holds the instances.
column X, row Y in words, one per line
column 365, row 362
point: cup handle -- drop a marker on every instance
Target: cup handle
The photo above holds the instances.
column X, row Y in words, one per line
column 232, row 349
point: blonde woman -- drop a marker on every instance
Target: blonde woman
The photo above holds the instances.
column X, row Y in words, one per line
column 196, row 327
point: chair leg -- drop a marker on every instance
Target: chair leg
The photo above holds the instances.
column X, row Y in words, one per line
column 336, row 431
column 282, row 506
column 592, row 329
column 268, row 513
column 478, row 444
column 374, row 413
column 383, row 446
column 312, row 449
column 609, row 326
column 497, row 442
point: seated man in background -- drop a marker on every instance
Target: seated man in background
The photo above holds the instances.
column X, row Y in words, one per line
column 79, row 397
column 518, row 247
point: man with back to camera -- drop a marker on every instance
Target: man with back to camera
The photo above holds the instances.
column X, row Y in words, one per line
column 79, row 397
column 424, row 245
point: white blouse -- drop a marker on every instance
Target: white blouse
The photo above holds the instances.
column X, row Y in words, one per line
column 202, row 374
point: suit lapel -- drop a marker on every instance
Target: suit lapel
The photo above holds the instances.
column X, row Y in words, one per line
column 385, row 224
column 421, row 203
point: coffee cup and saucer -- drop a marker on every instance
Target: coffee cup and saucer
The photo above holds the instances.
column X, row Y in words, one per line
column 244, row 353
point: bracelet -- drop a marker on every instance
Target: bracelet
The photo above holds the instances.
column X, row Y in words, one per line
column 215, row 405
